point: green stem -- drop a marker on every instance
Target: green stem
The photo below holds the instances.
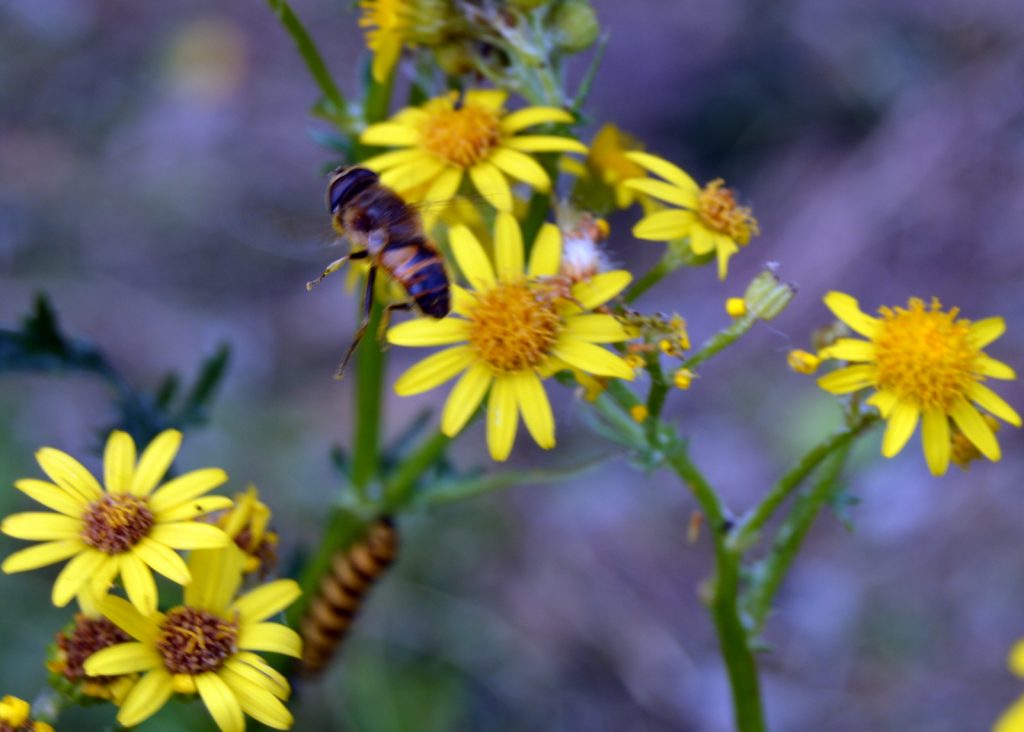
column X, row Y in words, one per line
column 370, row 367
column 649, row 280
column 398, row 489
column 724, row 602
column 769, row 572
column 754, row 519
column 720, row 341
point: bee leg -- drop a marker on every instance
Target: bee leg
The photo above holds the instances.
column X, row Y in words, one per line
column 334, row 267
column 385, row 321
column 371, row 278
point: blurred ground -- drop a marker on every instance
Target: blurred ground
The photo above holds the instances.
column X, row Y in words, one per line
column 157, row 178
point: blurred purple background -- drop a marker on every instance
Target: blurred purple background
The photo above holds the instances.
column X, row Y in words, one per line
column 157, row 179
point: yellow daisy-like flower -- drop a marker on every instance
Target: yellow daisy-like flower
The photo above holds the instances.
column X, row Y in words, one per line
column 445, row 140
column 247, row 523
column 709, row 216
column 127, row 529
column 14, row 716
column 391, row 24
column 925, row 365
column 206, row 646
column 513, row 330
column 608, row 165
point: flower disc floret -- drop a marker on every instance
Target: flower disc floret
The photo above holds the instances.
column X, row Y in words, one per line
column 114, row 524
column 925, row 365
column 194, row 641
column 514, row 326
column 463, row 136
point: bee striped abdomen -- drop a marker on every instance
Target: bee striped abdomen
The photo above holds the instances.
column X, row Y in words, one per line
column 418, row 266
column 343, row 589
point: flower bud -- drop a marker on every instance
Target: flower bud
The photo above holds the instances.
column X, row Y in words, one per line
column 736, row 307
column 575, row 25
column 767, row 295
column 803, row 362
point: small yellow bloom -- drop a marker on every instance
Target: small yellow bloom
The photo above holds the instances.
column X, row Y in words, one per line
column 126, row 529
column 247, row 524
column 511, row 331
column 608, row 167
column 709, row 216
column 207, row 646
column 392, row 24
column 683, row 379
column 635, row 361
column 443, row 141
column 639, row 413
column 736, row 307
column 14, row 711
column 803, row 362
column 925, row 365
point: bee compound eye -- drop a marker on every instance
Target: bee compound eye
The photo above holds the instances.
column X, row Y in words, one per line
column 346, row 185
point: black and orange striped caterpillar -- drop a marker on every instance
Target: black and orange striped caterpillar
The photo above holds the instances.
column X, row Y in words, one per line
column 352, row 574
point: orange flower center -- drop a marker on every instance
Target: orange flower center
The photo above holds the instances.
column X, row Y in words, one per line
column 719, row 211
column 924, row 355
column 463, row 136
column 115, row 523
column 195, row 641
column 513, row 326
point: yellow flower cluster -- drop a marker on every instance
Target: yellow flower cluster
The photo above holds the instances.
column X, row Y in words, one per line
column 129, row 651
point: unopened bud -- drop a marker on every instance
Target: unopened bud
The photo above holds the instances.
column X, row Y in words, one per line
column 736, row 307
column 639, row 413
column 767, row 295
column 683, row 378
column 575, row 25
column 803, row 362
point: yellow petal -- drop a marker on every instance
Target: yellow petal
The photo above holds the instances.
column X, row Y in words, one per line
column 596, row 328
column 75, row 574
column 412, row 174
column 1015, row 661
column 846, row 308
column 41, row 555
column 531, row 116
column 41, row 526
column 428, row 332
column 434, row 370
column 592, row 359
column 521, row 167
column 901, row 425
column 221, row 702
column 260, row 672
column 993, row 369
column 389, row 48
column 103, row 578
column 850, row 349
column 545, row 143
column 502, row 418
column 126, row 617
column 189, row 535
column 163, row 559
column 464, row 399
column 52, row 496
column 661, row 167
column 462, row 301
column 257, row 701
column 935, row 441
column 146, row 698
column 444, row 186
column 155, row 460
column 266, row 600
column 535, row 408
column 493, row 100
column 702, row 239
column 1012, row 719
column 216, row 576
column 492, row 185
column 119, row 462
column 685, row 197
column 471, row 258
column 138, row 583
column 664, row 225
column 884, row 401
column 983, row 332
column 849, row 379
column 600, row 288
column 272, row 637
column 546, row 255
column 68, row 473
column 395, row 158
column 725, row 248
column 975, row 429
column 994, row 403
column 186, row 487
column 194, row 508
column 508, row 248
column 390, row 134
column 123, row 658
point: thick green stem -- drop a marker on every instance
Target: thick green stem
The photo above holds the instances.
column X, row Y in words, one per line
column 398, row 489
column 768, row 574
column 370, row 367
column 649, row 280
column 790, row 481
column 720, row 341
column 724, row 602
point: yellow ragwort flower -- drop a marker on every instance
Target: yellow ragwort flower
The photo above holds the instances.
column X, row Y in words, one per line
column 513, row 329
column 14, row 716
column 709, row 216
column 1012, row 719
column 247, row 523
column 924, row 364
column 206, row 646
column 444, row 141
column 88, row 633
column 607, row 164
column 391, row 24
column 126, row 529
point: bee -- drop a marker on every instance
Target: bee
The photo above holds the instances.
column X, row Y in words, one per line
column 353, row 573
column 389, row 233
